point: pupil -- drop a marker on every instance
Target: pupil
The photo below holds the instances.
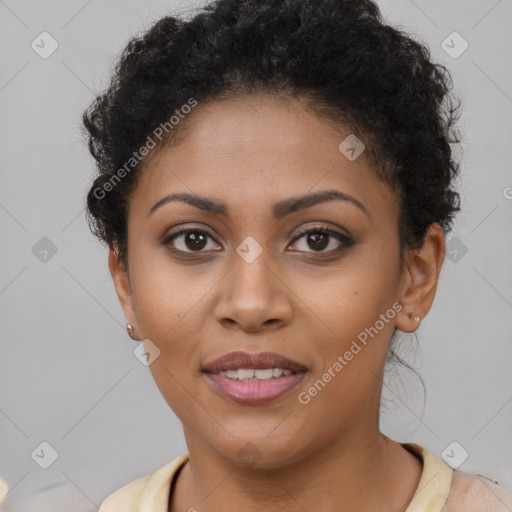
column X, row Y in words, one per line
column 317, row 239
column 197, row 239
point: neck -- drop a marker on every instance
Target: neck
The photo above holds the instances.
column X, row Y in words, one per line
column 366, row 470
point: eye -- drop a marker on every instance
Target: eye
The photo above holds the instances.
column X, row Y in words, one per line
column 195, row 240
column 188, row 240
column 319, row 238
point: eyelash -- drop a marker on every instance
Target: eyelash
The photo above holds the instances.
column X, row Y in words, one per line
column 344, row 240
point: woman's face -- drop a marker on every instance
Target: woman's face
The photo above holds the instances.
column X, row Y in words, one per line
column 247, row 279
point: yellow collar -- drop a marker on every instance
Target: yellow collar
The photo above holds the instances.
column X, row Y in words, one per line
column 434, row 485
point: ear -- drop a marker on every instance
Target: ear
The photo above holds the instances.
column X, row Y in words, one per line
column 120, row 276
column 420, row 277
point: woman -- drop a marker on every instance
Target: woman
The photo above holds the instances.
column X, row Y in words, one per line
column 275, row 186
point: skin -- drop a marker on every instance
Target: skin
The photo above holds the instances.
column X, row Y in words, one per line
column 251, row 152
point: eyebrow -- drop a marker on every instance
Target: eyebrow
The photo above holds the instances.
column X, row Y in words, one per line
column 280, row 209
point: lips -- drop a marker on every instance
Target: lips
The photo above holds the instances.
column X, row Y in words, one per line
column 237, row 360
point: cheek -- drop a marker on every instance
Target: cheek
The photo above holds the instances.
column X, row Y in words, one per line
column 167, row 295
column 351, row 352
column 352, row 308
column 350, row 297
column 169, row 308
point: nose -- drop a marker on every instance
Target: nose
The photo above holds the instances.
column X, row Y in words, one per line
column 254, row 297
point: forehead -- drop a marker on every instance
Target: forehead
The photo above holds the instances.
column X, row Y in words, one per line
column 253, row 151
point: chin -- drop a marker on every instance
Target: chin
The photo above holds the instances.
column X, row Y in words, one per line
column 257, row 452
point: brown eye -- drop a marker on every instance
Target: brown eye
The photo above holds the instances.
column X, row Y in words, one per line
column 195, row 241
column 188, row 240
column 318, row 239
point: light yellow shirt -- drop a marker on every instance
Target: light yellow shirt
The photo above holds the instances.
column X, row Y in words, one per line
column 440, row 489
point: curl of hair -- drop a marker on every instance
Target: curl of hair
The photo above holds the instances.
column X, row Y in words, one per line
column 353, row 69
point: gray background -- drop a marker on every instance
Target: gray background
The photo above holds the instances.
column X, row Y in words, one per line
column 68, row 375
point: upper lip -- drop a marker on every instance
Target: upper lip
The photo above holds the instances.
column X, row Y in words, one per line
column 239, row 359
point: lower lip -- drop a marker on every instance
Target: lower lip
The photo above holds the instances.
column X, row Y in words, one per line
column 255, row 392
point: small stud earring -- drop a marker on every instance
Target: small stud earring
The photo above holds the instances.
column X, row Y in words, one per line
column 129, row 329
column 417, row 318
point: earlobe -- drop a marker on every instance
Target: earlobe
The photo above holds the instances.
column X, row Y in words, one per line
column 420, row 279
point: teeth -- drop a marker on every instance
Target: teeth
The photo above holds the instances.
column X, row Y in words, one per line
column 276, row 372
column 249, row 374
column 245, row 374
column 264, row 374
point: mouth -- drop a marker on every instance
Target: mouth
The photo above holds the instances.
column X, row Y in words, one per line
column 255, row 374
column 253, row 378
column 235, row 361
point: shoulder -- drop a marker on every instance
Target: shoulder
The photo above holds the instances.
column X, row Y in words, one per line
column 443, row 489
column 148, row 492
column 476, row 493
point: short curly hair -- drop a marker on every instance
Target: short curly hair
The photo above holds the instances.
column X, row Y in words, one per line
column 354, row 70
